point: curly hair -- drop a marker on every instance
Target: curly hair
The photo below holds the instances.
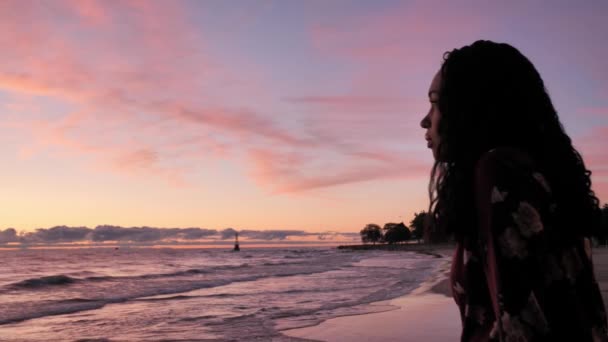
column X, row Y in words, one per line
column 492, row 96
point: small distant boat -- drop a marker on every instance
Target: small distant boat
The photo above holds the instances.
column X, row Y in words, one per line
column 236, row 243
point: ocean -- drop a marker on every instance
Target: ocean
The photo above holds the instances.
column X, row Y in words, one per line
column 151, row 294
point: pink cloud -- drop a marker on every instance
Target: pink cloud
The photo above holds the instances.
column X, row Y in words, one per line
column 238, row 121
column 145, row 93
column 142, row 158
column 344, row 100
column 125, row 91
column 354, row 103
column 90, row 11
column 282, row 171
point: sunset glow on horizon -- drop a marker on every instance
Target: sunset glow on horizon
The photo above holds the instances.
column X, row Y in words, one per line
column 267, row 115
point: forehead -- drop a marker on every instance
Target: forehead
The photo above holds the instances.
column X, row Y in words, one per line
column 435, row 83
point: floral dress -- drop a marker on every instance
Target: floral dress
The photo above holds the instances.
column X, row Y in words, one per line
column 540, row 286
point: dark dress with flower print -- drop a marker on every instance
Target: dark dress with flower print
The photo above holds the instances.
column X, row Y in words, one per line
column 518, row 268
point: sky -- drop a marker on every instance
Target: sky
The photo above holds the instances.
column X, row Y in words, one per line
column 257, row 115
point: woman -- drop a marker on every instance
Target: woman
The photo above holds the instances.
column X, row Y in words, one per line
column 511, row 188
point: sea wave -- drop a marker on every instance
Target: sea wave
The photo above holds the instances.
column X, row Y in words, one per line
column 38, row 283
column 53, row 280
column 58, row 307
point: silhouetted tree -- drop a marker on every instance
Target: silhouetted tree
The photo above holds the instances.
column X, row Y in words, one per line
column 396, row 232
column 371, row 233
column 417, row 224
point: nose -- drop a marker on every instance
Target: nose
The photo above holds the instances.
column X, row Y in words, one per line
column 426, row 122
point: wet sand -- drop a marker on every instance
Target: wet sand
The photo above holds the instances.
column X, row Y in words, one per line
column 428, row 314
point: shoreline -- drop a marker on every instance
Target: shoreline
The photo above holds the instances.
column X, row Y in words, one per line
column 426, row 314
column 413, row 247
column 439, row 278
column 430, row 306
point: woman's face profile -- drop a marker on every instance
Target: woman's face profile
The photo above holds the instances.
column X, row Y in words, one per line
column 431, row 121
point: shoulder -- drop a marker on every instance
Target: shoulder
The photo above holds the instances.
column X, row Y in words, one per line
column 511, row 170
column 505, row 158
column 505, row 169
column 504, row 162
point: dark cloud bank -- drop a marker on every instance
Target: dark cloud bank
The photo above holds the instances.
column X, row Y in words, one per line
column 151, row 235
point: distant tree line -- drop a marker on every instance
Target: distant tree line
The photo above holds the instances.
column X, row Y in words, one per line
column 395, row 233
column 419, row 226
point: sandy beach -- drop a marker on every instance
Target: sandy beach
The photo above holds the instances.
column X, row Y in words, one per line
column 427, row 314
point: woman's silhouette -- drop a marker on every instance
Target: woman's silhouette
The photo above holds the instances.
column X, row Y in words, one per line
column 516, row 195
